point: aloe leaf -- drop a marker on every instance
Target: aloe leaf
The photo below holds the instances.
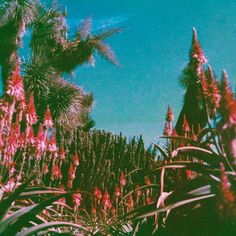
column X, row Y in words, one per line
column 175, row 205
column 42, row 227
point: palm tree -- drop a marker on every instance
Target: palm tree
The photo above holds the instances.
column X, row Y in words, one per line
column 52, row 55
column 15, row 16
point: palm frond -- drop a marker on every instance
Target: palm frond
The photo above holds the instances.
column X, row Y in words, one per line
column 84, row 28
column 66, row 103
column 105, row 51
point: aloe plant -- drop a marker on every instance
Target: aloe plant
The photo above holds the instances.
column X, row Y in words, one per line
column 202, row 162
column 19, row 215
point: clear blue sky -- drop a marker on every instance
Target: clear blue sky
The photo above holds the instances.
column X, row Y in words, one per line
column 152, row 49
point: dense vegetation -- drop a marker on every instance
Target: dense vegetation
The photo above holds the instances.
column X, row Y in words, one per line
column 58, row 176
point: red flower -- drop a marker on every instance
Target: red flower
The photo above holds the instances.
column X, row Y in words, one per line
column 106, row 201
column 97, row 193
column 47, row 122
column 15, row 86
column 70, row 183
column 30, row 137
column 197, row 54
column 113, row 211
column 52, row 146
column 41, row 140
column 169, row 115
column 148, row 200
column 193, row 135
column 174, row 133
column 93, row 211
column 167, row 131
column 138, row 191
column 72, row 171
column 185, row 125
column 21, row 141
column 229, row 196
column 189, row 174
column 122, row 179
column 228, row 103
column 131, row 201
column 213, row 95
column 62, row 153
column 76, row 159
column 76, row 199
column 45, row 168
column 117, row 191
column 11, row 145
column 31, row 116
column 147, row 180
column 56, row 172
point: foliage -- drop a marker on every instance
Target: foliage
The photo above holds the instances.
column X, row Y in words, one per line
column 52, row 54
column 203, row 165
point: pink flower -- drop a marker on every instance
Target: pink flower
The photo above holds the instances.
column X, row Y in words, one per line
column 48, row 123
column 31, row 116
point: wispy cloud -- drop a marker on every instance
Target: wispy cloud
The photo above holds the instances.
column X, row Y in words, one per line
column 110, row 22
column 99, row 23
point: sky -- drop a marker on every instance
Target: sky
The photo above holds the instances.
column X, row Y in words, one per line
column 152, row 50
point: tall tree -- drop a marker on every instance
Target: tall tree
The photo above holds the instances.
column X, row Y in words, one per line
column 193, row 79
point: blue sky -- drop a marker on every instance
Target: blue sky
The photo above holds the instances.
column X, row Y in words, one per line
column 152, row 49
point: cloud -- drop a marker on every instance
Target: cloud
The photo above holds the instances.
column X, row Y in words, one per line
column 98, row 23
column 109, row 22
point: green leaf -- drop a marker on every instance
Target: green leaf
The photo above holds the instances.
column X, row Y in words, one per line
column 42, row 227
column 175, row 205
